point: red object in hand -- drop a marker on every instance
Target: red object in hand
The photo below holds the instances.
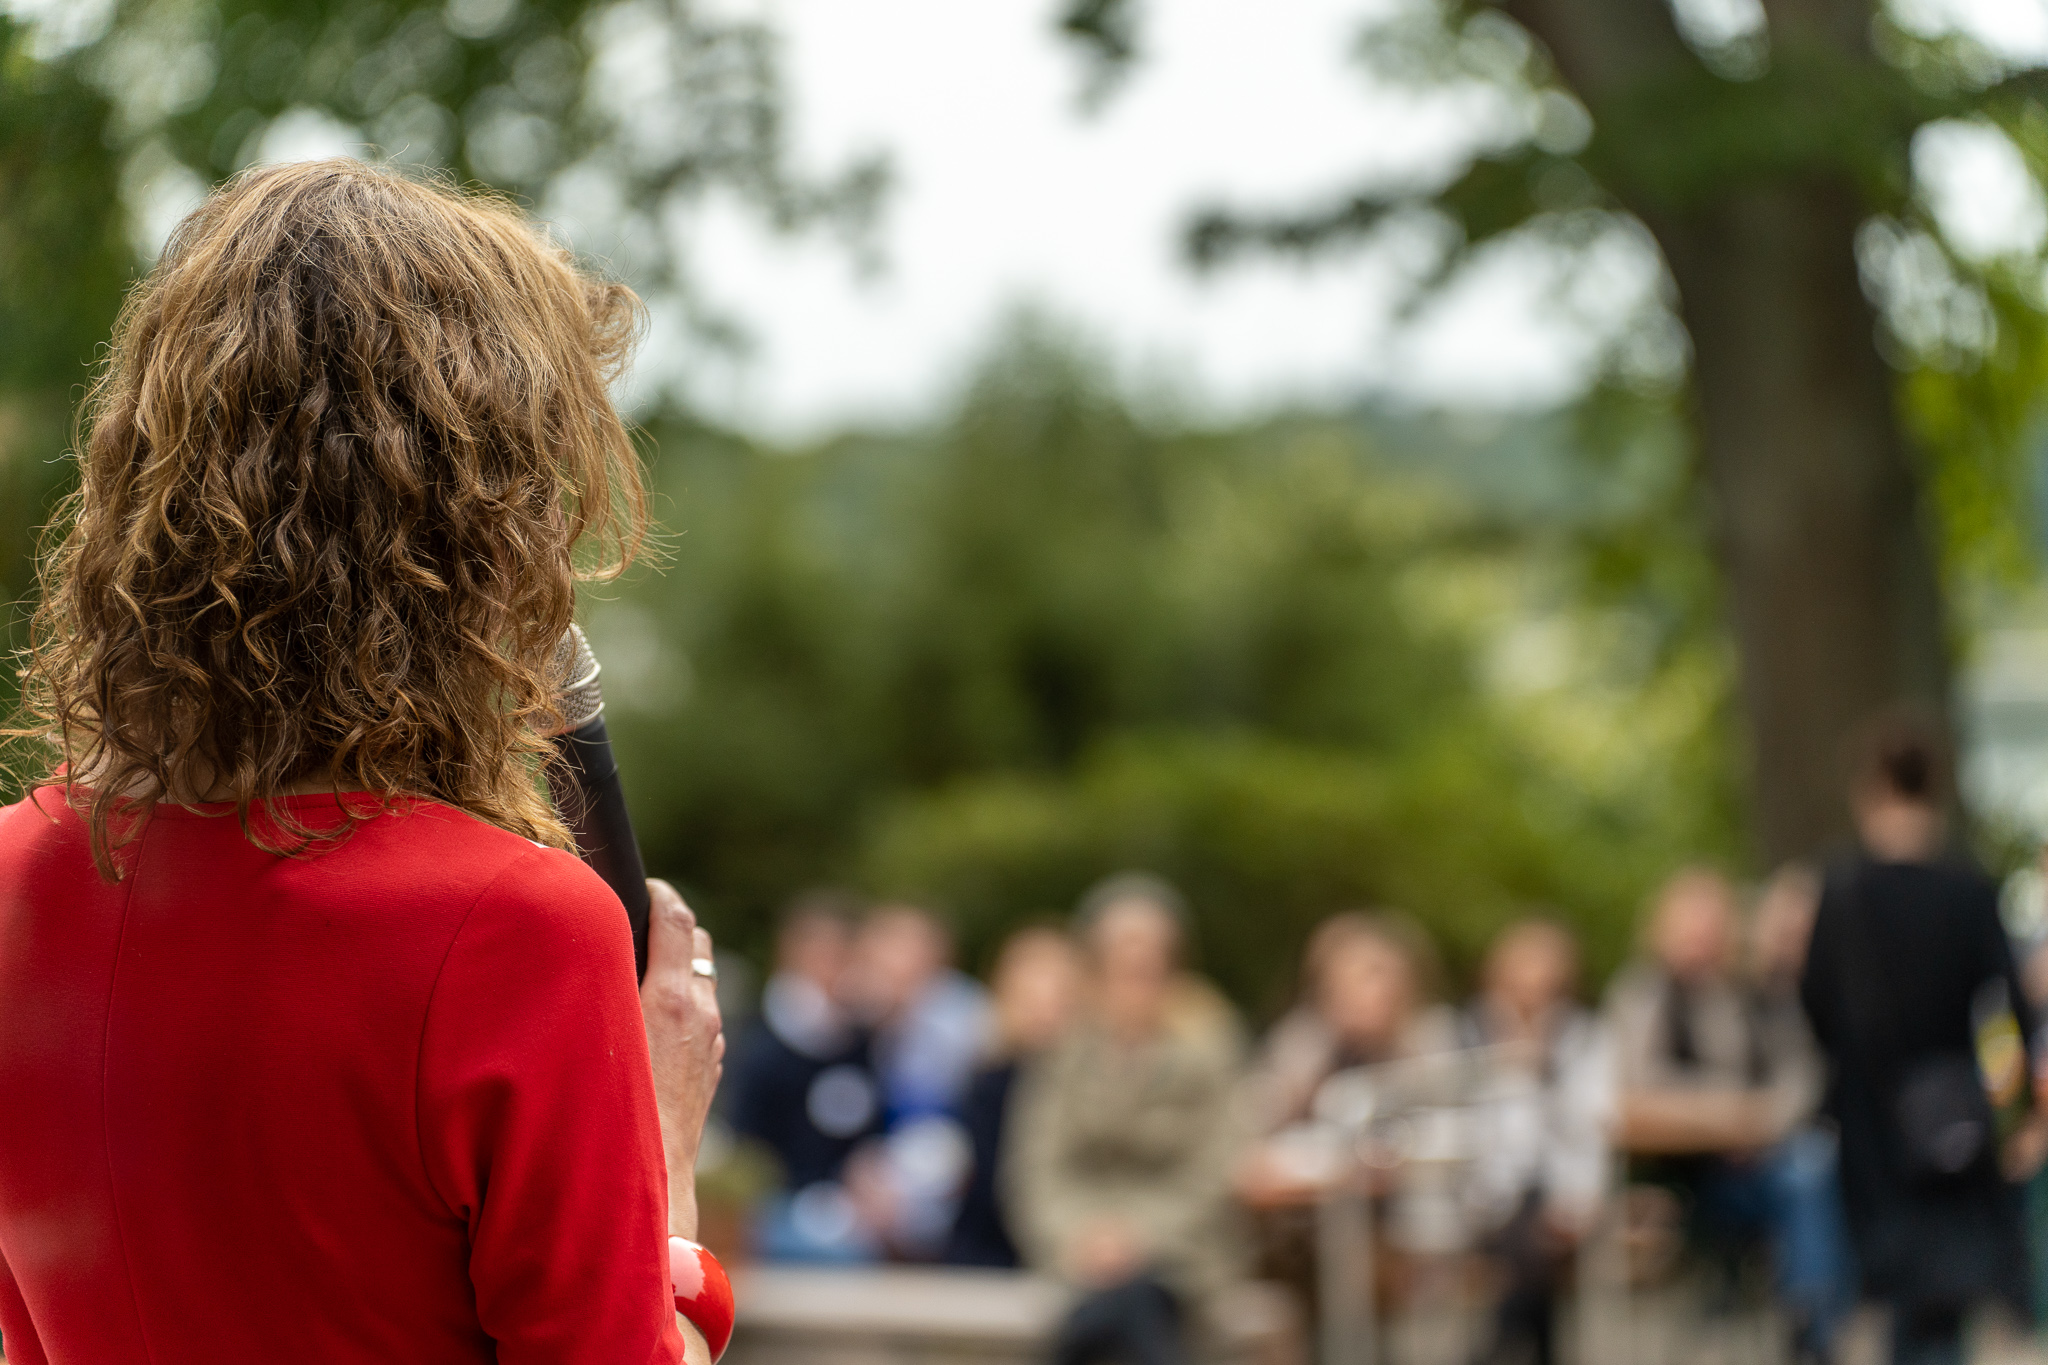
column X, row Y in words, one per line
column 703, row 1293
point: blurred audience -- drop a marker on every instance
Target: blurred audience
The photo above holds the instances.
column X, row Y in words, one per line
column 803, row 1087
column 1035, row 985
column 1088, row 1117
column 1712, row 1086
column 1917, row 1001
column 1546, row 1098
column 1122, row 1139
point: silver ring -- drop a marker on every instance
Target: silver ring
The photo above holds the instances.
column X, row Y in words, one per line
column 705, row 967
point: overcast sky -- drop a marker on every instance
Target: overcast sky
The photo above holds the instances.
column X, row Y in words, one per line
column 1007, row 194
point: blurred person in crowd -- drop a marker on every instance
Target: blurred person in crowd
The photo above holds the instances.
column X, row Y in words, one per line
column 1548, row 1101
column 1035, row 985
column 929, row 1019
column 1781, row 931
column 2023, row 908
column 1366, row 997
column 1122, row 1139
column 2034, row 976
column 1710, row 1089
column 1918, row 1004
column 1368, row 986
column 929, row 1024
column 803, row 1086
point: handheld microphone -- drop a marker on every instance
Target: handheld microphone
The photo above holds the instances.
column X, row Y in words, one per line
column 586, row 790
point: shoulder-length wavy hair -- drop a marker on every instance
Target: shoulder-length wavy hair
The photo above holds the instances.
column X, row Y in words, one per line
column 332, row 477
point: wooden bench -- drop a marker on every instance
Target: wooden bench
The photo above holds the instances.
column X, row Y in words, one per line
column 898, row 1315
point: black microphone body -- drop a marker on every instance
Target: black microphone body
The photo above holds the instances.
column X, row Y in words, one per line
column 587, row 794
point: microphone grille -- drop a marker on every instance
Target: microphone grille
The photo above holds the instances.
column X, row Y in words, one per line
column 582, row 700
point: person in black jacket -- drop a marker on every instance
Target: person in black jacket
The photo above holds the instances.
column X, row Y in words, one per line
column 801, row 1085
column 1915, row 1000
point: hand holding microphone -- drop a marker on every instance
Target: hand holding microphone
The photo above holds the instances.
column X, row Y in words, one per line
column 686, row 1041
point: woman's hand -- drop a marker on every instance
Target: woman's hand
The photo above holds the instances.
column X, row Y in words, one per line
column 686, row 1041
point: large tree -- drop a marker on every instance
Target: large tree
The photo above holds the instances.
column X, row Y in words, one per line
column 1772, row 167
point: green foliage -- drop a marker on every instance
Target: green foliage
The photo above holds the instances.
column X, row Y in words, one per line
column 63, row 264
column 56, row 246
column 1272, row 836
column 614, row 116
column 1981, row 421
column 987, row 664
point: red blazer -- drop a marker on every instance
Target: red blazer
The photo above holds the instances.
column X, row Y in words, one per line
column 388, row 1102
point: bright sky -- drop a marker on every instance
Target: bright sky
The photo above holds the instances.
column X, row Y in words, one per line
column 1006, row 194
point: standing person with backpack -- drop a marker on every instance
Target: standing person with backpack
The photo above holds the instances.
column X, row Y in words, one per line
column 1915, row 1000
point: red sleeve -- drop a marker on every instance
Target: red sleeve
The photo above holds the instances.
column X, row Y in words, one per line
column 17, row 1333
column 538, row 1125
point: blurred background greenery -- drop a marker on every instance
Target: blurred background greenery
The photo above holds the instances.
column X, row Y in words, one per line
column 982, row 664
column 1346, row 653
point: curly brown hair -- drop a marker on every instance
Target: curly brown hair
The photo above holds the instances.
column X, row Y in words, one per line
column 333, row 477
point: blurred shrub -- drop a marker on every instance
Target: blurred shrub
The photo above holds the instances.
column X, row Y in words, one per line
column 1270, row 836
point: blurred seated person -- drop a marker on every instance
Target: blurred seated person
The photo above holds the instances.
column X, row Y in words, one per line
column 1035, row 986
column 1122, row 1139
column 929, row 1024
column 929, row 1019
column 801, row 1086
column 1542, row 1168
column 1781, row 930
column 1710, row 1087
column 2033, row 964
column 1366, row 987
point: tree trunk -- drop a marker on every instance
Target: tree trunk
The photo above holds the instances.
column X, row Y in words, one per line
column 1832, row 591
column 1814, row 499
